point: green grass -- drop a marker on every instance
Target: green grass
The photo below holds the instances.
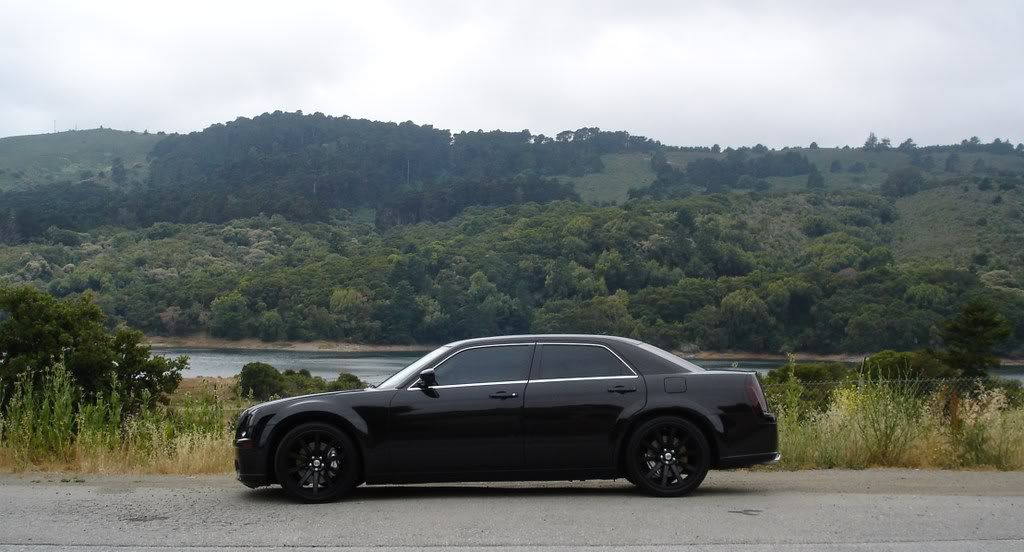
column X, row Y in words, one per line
column 27, row 161
column 47, row 425
column 951, row 224
column 878, row 164
column 622, row 173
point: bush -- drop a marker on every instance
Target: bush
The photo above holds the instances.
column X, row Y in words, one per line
column 39, row 331
column 906, row 365
column 345, row 382
column 260, row 381
column 813, row 383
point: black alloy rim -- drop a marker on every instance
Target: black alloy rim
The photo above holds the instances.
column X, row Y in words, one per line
column 315, row 463
column 669, row 457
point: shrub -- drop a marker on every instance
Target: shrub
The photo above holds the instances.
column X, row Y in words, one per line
column 896, row 365
column 40, row 331
column 260, row 381
column 345, row 382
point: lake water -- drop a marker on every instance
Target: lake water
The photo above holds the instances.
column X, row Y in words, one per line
column 376, row 367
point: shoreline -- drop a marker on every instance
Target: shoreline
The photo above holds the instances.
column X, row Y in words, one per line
column 206, row 342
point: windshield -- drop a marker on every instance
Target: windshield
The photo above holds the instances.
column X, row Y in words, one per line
column 409, row 370
column 689, row 366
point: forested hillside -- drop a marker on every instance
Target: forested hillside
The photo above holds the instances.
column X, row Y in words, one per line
column 291, row 226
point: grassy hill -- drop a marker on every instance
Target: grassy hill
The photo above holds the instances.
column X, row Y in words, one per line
column 624, row 172
column 26, row 161
column 969, row 227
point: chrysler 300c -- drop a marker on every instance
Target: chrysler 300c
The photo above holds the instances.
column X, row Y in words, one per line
column 531, row 407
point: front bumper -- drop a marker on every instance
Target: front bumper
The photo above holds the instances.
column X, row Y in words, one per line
column 250, row 464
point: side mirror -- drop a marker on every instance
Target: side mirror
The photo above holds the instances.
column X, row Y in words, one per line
column 427, row 379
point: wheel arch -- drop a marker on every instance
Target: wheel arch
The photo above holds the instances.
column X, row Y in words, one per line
column 701, row 421
column 281, row 428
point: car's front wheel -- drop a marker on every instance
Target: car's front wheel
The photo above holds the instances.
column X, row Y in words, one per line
column 668, row 456
column 317, row 462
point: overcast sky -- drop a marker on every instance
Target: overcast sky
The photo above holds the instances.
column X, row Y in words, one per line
column 732, row 73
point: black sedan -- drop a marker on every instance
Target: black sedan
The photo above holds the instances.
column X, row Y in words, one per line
column 531, row 407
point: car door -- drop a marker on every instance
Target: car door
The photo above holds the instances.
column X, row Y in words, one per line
column 575, row 397
column 470, row 421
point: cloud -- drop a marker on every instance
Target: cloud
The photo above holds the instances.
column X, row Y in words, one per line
column 685, row 73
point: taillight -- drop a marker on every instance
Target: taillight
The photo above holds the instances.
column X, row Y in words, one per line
column 755, row 395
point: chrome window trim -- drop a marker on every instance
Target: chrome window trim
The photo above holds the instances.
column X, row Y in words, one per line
column 457, row 385
column 584, row 378
column 413, row 387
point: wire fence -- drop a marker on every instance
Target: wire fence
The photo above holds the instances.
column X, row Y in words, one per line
column 922, row 384
column 818, row 394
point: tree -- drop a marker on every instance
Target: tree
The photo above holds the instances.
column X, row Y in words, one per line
column 746, row 319
column 971, row 337
column 953, row 162
column 172, row 318
column 836, row 166
column 903, row 182
column 871, row 143
column 815, row 181
column 9, row 229
column 38, row 331
column 345, row 382
column 229, row 316
column 271, row 327
column 907, row 145
column 117, row 171
column 813, row 146
column 260, row 381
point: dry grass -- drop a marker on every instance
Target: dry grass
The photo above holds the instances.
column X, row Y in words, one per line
column 882, row 425
column 44, row 428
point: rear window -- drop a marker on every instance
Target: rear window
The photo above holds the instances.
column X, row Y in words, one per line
column 579, row 361
column 686, row 365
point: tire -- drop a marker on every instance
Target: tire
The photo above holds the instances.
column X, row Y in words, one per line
column 667, row 456
column 317, row 462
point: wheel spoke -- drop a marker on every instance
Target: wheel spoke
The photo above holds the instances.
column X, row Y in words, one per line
column 664, row 475
column 651, row 474
column 678, row 473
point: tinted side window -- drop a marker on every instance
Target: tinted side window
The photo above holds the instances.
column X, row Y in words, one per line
column 579, row 361
column 484, row 364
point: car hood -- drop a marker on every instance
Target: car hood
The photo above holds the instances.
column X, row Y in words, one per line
column 278, row 403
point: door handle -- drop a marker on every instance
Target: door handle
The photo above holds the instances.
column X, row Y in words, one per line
column 504, row 395
column 620, row 389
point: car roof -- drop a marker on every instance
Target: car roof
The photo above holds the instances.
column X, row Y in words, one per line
column 543, row 338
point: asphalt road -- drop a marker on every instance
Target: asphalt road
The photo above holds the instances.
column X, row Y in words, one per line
column 899, row 510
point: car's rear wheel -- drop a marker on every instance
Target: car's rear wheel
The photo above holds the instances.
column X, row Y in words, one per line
column 668, row 456
column 317, row 462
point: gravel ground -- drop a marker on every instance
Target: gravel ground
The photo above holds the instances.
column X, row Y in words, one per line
column 833, row 510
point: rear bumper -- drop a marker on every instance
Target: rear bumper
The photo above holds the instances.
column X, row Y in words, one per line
column 747, row 460
column 251, row 466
